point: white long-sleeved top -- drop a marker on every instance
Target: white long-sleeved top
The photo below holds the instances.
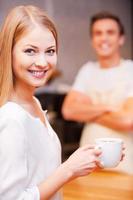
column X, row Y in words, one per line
column 29, row 152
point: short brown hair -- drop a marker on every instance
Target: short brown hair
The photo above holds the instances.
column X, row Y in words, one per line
column 107, row 15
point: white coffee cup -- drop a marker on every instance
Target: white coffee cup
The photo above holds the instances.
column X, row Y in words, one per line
column 111, row 151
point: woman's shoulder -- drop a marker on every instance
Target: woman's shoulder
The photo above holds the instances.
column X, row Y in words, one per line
column 11, row 110
column 11, row 129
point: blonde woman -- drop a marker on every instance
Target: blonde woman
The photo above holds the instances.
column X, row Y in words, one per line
column 30, row 162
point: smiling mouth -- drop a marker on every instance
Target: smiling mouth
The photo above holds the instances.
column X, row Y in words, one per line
column 38, row 74
column 105, row 47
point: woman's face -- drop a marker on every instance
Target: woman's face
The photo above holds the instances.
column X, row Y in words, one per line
column 34, row 57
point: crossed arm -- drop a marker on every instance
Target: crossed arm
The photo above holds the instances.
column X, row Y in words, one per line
column 79, row 107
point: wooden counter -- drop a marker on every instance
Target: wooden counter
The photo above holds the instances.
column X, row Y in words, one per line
column 103, row 185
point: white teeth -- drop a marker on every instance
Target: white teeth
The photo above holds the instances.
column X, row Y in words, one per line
column 36, row 73
column 104, row 46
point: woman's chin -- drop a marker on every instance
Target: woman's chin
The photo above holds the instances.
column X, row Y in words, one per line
column 42, row 83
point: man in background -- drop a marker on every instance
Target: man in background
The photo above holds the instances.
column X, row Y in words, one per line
column 102, row 94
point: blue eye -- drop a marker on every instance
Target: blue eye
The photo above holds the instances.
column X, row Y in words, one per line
column 51, row 52
column 30, row 51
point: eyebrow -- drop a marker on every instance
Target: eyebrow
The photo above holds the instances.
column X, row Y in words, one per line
column 32, row 46
column 37, row 47
column 51, row 47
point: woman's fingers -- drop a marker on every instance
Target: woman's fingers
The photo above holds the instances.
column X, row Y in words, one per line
column 88, row 146
column 97, row 152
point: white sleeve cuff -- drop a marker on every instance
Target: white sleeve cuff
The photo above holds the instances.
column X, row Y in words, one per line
column 31, row 193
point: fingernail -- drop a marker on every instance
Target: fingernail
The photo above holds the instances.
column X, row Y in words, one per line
column 101, row 164
column 97, row 147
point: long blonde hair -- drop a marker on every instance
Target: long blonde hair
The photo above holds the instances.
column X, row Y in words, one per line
column 17, row 23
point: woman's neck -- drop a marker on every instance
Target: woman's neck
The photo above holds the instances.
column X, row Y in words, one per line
column 22, row 95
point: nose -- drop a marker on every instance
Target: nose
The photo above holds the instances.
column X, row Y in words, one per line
column 41, row 61
column 104, row 36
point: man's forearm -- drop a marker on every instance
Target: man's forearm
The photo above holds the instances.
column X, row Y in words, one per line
column 85, row 113
column 119, row 121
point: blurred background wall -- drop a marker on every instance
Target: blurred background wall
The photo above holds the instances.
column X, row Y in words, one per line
column 72, row 20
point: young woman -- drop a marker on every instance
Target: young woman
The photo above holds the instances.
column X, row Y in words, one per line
column 30, row 163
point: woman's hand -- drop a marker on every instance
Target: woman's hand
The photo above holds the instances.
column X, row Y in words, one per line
column 83, row 161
